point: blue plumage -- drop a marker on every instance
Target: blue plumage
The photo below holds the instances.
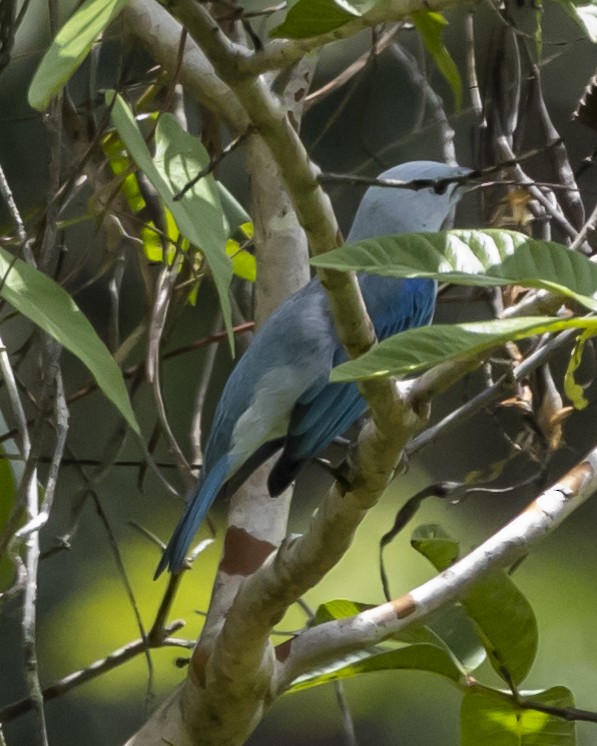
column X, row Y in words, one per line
column 278, row 397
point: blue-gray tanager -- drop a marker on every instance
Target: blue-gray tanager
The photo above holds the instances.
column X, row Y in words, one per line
column 279, row 397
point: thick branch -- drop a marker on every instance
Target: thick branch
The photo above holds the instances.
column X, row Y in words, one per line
column 241, row 669
column 161, row 35
column 334, row 639
column 311, row 203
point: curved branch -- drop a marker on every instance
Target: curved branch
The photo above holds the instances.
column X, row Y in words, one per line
column 160, row 33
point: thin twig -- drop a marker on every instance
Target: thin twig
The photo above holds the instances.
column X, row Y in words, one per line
column 123, row 576
column 485, row 398
column 159, row 315
column 589, row 225
column 99, row 667
column 350, row 736
column 352, row 70
column 7, row 195
column 214, row 163
column 430, row 97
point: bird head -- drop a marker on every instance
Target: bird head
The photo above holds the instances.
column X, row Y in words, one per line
column 386, row 211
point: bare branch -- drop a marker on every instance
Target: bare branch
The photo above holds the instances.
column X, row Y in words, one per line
column 99, row 667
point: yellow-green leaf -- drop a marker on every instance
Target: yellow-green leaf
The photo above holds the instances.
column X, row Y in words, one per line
column 47, row 305
column 430, row 25
column 69, row 48
column 572, row 389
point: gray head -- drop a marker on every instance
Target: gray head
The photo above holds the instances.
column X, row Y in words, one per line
column 385, row 211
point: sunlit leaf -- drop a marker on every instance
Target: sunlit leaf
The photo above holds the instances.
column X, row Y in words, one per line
column 313, row 17
column 47, row 305
column 153, row 239
column 243, row 263
column 113, row 149
column 572, row 389
column 416, row 349
column 486, row 718
column 69, row 48
column 430, row 25
column 503, row 617
column 179, row 158
column 473, row 257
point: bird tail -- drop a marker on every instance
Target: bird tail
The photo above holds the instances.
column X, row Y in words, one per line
column 198, row 505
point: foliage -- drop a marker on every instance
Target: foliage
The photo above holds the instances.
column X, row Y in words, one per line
column 173, row 247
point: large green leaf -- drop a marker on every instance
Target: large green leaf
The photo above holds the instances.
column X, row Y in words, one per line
column 178, row 159
column 487, row 718
column 430, row 25
column 417, row 657
column 69, row 49
column 471, row 257
column 503, row 617
column 313, row 17
column 416, row 349
column 506, row 624
column 47, row 305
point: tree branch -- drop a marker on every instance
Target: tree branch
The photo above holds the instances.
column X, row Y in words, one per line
column 281, row 53
column 334, row 639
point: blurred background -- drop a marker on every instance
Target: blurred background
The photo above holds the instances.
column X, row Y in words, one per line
column 85, row 613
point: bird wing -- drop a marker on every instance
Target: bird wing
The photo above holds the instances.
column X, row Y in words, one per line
column 326, row 409
column 320, row 415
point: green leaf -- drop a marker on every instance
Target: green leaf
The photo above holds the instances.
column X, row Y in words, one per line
column 475, row 258
column 433, row 542
column 47, row 305
column 416, row 349
column 153, row 239
column 244, row 264
column 313, row 17
column 178, row 159
column 456, row 631
column 503, row 617
column 585, row 15
column 506, row 625
column 572, row 389
column 452, row 629
column 235, row 214
column 69, row 49
column 340, row 608
column 418, row 657
column 430, row 25
column 493, row 719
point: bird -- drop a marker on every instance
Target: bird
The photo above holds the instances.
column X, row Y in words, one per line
column 278, row 398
